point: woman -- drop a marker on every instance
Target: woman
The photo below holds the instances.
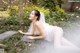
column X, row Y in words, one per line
column 41, row 30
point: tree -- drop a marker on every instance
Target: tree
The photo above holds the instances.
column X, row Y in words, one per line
column 20, row 13
column 72, row 5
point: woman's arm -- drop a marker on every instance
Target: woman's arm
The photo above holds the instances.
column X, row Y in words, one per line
column 25, row 33
column 28, row 33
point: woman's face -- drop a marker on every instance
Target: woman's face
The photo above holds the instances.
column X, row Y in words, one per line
column 32, row 16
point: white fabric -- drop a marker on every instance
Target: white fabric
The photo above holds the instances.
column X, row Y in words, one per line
column 50, row 31
column 42, row 17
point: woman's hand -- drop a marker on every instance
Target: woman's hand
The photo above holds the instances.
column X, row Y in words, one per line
column 20, row 31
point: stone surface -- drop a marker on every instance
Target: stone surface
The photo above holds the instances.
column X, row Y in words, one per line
column 7, row 34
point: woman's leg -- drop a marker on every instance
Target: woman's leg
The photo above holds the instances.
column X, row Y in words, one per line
column 58, row 34
column 60, row 41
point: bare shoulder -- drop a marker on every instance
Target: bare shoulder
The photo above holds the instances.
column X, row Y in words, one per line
column 38, row 23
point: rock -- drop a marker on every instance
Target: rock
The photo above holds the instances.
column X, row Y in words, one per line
column 7, row 34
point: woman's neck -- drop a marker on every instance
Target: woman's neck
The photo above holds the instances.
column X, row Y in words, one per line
column 34, row 21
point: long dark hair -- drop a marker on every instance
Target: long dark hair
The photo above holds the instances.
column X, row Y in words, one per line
column 37, row 13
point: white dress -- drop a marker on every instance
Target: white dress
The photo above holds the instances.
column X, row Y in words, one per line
column 54, row 33
column 51, row 31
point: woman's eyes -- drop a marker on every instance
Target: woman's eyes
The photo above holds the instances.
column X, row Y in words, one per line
column 32, row 14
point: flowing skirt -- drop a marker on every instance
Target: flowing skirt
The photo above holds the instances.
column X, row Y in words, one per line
column 53, row 38
column 55, row 34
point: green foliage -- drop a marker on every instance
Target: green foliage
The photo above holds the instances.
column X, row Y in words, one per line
column 60, row 2
column 14, row 8
column 26, row 21
column 52, row 12
column 14, row 45
column 49, row 4
column 4, row 14
column 58, row 15
column 3, row 6
column 32, row 7
column 12, row 19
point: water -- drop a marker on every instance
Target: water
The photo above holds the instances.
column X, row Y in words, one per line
column 71, row 33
